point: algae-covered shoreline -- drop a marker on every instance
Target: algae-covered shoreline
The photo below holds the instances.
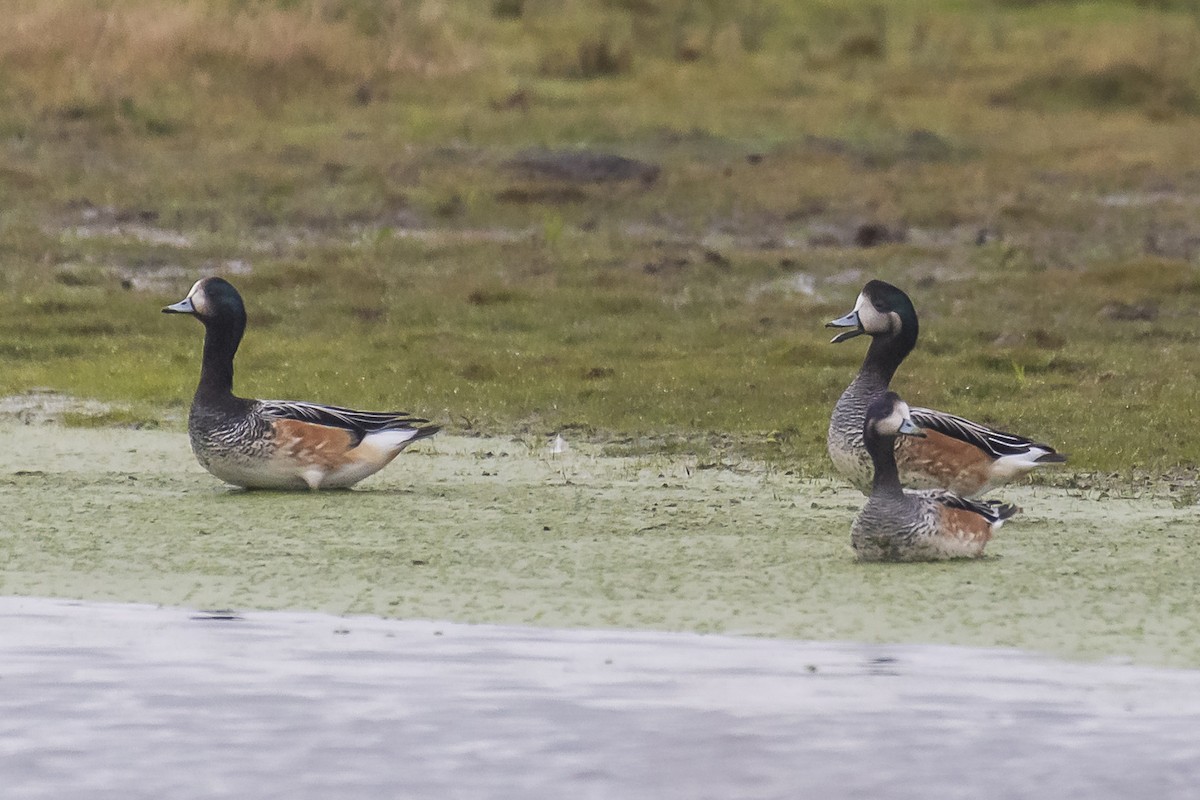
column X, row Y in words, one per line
column 504, row 531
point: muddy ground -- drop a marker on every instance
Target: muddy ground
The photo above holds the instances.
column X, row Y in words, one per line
column 506, row 531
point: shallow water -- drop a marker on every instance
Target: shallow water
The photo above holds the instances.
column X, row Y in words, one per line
column 133, row 701
column 503, row 531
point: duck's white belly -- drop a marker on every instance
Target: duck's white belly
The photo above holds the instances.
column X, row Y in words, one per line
column 252, row 473
column 267, row 467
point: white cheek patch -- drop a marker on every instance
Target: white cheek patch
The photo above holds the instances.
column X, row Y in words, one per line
column 198, row 298
column 871, row 320
column 890, row 425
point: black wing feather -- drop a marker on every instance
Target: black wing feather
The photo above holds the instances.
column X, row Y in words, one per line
column 991, row 510
column 996, row 443
column 359, row 422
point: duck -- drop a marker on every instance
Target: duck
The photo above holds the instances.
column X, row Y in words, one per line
column 278, row 444
column 921, row 525
column 965, row 457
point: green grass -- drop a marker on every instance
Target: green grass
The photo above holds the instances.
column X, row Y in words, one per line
column 349, row 162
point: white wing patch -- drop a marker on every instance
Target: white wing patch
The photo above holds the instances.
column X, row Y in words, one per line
column 390, row 439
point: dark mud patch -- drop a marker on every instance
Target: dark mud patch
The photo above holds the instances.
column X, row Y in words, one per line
column 915, row 146
column 547, row 195
column 581, row 166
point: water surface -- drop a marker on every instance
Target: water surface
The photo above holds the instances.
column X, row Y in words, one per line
column 133, row 701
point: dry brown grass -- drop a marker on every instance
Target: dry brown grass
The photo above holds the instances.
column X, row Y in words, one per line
column 62, row 51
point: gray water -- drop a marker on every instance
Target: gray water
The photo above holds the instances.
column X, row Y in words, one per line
column 132, row 701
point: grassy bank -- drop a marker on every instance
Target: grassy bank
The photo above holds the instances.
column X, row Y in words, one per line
column 375, row 178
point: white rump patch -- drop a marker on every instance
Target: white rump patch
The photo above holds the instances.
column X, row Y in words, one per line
column 1007, row 468
column 392, row 440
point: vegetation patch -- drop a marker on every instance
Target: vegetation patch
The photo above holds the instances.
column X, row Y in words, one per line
column 472, row 216
column 1116, row 86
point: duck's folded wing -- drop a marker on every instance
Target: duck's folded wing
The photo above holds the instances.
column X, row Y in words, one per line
column 360, row 422
column 992, row 510
column 998, row 444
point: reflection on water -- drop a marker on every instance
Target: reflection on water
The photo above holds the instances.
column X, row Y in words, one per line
column 129, row 701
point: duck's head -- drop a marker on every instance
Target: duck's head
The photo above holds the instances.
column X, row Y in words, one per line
column 212, row 300
column 881, row 310
column 889, row 417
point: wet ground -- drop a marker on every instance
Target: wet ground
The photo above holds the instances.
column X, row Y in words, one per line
column 132, row 701
column 608, row 584
column 508, row 532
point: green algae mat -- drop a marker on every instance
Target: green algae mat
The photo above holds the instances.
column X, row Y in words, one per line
column 507, row 531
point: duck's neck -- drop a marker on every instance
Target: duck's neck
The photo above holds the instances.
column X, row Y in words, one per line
column 884, row 357
column 216, row 371
column 883, row 456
